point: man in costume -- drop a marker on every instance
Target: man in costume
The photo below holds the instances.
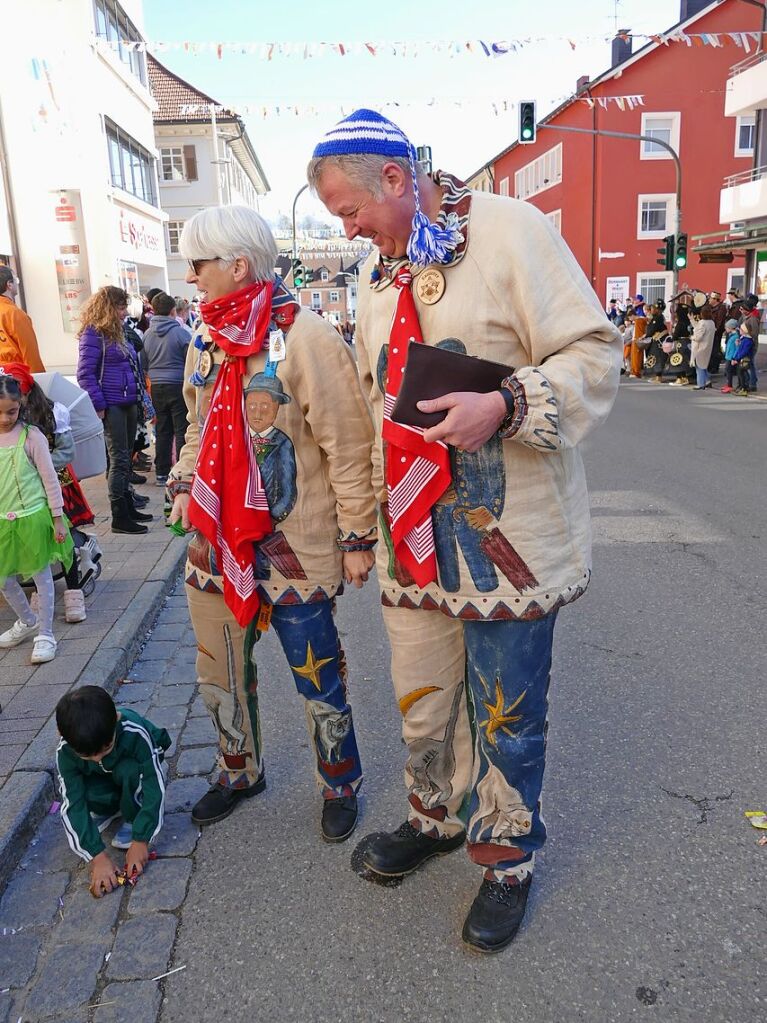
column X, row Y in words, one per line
column 471, row 649
column 281, row 436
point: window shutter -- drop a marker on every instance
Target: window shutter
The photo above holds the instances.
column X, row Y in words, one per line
column 190, row 163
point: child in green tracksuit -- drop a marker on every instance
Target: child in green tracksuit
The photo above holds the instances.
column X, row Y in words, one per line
column 109, row 764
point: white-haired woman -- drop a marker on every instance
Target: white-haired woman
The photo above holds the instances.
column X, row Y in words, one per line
column 277, row 484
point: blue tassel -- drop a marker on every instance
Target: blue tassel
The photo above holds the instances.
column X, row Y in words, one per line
column 429, row 243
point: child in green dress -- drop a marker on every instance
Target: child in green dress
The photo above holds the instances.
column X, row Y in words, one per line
column 33, row 532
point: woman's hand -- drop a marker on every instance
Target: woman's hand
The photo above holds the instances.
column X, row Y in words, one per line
column 180, row 510
column 59, row 529
column 100, row 412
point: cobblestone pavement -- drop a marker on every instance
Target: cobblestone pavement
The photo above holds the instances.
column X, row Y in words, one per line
column 135, row 571
column 68, row 957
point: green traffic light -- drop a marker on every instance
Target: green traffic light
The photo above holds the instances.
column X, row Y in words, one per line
column 681, row 262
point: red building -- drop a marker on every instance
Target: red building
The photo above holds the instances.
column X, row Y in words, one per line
column 614, row 200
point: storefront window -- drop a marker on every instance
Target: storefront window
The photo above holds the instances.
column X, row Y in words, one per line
column 131, row 166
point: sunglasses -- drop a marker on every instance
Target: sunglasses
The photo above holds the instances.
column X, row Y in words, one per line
column 195, row 265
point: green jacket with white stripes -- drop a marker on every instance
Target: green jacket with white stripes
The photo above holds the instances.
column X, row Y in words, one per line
column 129, row 778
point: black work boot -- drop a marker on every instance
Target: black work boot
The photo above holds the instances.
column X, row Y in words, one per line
column 219, row 801
column 496, row 914
column 133, row 511
column 339, row 818
column 404, row 850
column 122, row 521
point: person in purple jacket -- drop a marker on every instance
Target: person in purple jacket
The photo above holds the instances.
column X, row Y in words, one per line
column 108, row 370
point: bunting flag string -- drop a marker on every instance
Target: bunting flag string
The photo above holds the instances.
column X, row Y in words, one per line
column 308, row 50
column 264, row 110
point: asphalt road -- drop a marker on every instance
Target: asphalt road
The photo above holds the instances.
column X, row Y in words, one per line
column 649, row 900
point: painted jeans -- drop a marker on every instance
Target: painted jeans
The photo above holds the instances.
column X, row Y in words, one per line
column 228, row 681
column 475, row 756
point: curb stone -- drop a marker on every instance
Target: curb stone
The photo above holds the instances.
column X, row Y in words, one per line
column 27, row 794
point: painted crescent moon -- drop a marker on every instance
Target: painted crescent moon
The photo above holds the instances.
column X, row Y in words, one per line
column 418, row 694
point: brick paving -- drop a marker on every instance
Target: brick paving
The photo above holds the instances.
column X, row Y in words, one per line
column 28, row 693
column 66, row 956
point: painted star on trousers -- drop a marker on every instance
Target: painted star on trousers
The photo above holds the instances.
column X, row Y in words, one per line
column 500, row 717
column 311, row 669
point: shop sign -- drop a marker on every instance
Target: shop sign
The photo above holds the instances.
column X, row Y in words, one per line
column 617, row 288
column 72, row 274
column 141, row 240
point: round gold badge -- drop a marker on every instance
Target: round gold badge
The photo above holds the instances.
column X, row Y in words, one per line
column 430, row 286
column 205, row 364
column 676, row 359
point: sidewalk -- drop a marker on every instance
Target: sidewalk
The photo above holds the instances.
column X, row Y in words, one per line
column 63, row 952
column 137, row 574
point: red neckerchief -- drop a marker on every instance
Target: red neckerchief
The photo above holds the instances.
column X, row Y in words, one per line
column 226, row 463
column 417, row 473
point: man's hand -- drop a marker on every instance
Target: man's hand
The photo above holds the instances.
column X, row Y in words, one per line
column 471, row 421
column 357, row 565
column 103, row 874
column 180, row 510
column 136, row 858
column 479, row 518
column 101, row 413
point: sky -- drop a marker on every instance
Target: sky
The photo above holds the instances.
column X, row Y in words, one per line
column 444, row 101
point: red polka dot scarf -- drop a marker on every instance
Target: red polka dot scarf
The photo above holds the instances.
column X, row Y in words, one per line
column 226, row 464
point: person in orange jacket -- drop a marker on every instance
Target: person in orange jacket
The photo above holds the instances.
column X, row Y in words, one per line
column 18, row 341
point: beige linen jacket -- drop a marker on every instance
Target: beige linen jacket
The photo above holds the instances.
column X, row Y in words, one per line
column 323, row 435
column 517, row 297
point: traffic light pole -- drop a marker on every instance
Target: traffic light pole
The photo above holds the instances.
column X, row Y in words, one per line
column 640, row 138
column 295, row 244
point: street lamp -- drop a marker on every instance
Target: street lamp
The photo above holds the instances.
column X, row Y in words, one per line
column 423, row 155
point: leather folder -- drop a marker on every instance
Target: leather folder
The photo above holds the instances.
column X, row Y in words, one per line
column 433, row 372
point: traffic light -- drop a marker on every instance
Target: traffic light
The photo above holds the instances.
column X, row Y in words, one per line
column 680, row 260
column 527, row 123
column 666, row 254
column 299, row 273
column 308, row 275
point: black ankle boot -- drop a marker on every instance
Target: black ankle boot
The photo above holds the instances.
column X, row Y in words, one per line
column 495, row 915
column 122, row 522
column 404, row 850
column 133, row 511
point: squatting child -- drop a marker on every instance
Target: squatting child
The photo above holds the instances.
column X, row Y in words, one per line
column 109, row 765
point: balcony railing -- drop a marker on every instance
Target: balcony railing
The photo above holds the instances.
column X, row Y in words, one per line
column 749, row 62
column 754, row 174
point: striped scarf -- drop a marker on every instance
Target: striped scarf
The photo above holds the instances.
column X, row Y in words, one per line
column 417, row 473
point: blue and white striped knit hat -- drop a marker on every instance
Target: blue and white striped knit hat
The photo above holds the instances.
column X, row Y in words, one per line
column 366, row 131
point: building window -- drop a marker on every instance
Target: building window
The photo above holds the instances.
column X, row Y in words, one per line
column 654, row 286
column 316, row 301
column 175, row 227
column 539, row 174
column 333, row 296
column 324, row 275
column 504, row 186
column 115, row 27
column 736, row 278
column 179, row 163
column 665, row 128
column 556, row 219
column 745, row 131
column 655, row 216
column 131, row 166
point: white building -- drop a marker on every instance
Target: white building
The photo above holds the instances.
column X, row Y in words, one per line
column 80, row 195
column 206, row 159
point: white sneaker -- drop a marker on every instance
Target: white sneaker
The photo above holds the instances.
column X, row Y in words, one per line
column 44, row 650
column 74, row 606
column 17, row 633
column 123, row 836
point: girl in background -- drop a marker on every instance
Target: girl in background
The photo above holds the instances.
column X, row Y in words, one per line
column 33, row 532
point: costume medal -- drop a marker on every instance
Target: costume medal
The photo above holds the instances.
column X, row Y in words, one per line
column 430, row 286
